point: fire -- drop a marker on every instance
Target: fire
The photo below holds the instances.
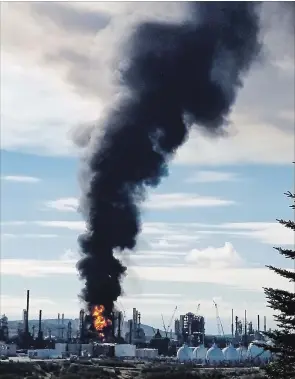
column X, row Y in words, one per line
column 99, row 321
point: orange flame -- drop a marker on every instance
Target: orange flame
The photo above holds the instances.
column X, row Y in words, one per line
column 99, row 321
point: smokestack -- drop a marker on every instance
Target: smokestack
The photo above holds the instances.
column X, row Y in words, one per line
column 40, row 333
column 40, row 320
column 245, row 323
column 174, row 76
column 232, row 322
column 264, row 324
column 27, row 313
column 62, row 325
column 119, row 325
column 58, row 325
column 130, row 331
column 258, row 323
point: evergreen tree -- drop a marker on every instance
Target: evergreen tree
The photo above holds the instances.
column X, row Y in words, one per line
column 283, row 303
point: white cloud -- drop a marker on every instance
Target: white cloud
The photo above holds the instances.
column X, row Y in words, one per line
column 183, row 200
column 14, row 303
column 20, row 179
column 47, row 110
column 244, row 145
column 41, row 37
column 28, row 235
column 265, row 232
column 207, row 176
column 68, row 204
column 215, row 258
column 156, row 201
column 252, row 279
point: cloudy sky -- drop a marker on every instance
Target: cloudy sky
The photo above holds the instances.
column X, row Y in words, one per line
column 208, row 229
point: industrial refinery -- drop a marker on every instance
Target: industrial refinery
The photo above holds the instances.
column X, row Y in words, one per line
column 95, row 336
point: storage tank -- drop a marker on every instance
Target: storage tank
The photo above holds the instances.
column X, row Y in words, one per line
column 184, row 353
column 230, row 354
column 242, row 353
column 200, row 353
column 258, row 353
column 214, row 355
column 125, row 350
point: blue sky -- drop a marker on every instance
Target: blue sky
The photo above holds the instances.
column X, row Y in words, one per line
column 208, row 229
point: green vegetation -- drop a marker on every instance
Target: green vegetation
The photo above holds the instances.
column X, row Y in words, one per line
column 66, row 370
column 283, row 302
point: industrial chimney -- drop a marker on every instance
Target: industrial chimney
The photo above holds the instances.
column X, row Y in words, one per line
column 40, row 334
column 232, row 323
column 27, row 313
column 119, row 325
column 264, row 324
column 258, row 323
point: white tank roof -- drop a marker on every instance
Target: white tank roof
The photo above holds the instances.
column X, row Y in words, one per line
column 200, row 352
column 214, row 354
column 242, row 353
column 230, row 353
column 184, row 353
column 255, row 351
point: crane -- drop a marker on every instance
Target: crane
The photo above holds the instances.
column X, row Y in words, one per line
column 219, row 323
column 164, row 326
column 171, row 320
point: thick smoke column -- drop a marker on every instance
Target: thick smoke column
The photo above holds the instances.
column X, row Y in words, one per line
column 173, row 76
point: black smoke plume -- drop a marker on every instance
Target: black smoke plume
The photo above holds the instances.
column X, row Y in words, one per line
column 172, row 77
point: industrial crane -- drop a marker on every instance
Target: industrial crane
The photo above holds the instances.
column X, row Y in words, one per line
column 170, row 322
column 219, row 323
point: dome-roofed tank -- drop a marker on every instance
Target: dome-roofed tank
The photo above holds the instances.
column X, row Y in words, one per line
column 184, row 353
column 257, row 352
column 199, row 353
column 214, row 355
column 230, row 353
column 242, row 353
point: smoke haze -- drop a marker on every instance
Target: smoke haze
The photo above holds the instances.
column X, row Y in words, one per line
column 172, row 77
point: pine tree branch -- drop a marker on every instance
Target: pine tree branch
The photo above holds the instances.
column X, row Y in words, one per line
column 285, row 273
column 286, row 252
column 288, row 224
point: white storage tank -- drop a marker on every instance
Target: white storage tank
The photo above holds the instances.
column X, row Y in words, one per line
column 200, row 353
column 258, row 353
column 242, row 353
column 125, row 350
column 230, row 354
column 184, row 354
column 214, row 355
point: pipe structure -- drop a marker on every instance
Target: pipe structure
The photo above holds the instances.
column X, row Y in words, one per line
column 119, row 325
column 40, row 334
column 62, row 325
column 130, row 331
column 232, row 323
column 40, row 319
column 27, row 313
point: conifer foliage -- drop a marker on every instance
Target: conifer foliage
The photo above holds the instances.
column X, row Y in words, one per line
column 283, row 303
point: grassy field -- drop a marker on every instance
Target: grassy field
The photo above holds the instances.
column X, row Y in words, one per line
column 67, row 370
